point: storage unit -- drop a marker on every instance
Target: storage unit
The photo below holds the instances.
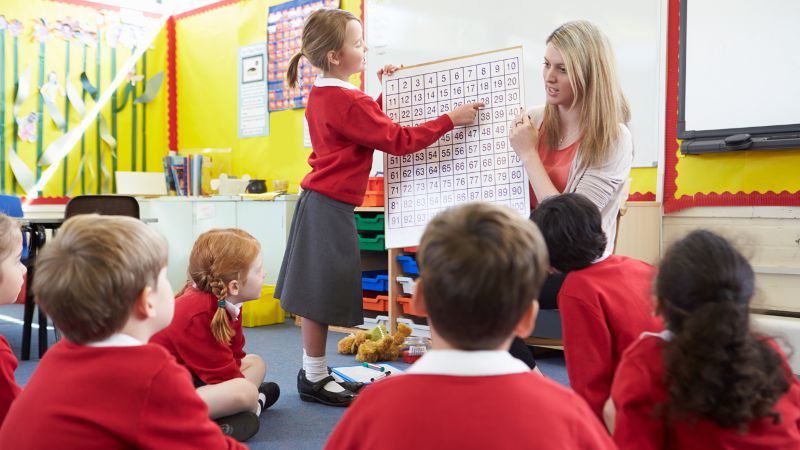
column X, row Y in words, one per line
column 182, row 219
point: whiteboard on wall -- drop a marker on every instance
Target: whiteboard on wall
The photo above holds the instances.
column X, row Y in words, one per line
column 417, row 31
column 750, row 82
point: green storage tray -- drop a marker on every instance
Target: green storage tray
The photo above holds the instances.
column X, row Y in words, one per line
column 376, row 243
column 369, row 222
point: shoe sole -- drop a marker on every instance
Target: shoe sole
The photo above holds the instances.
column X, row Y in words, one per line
column 312, row 399
column 243, row 429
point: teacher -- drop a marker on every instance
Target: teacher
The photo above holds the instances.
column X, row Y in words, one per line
column 579, row 140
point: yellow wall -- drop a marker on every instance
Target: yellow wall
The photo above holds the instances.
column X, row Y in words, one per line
column 28, row 11
column 644, row 180
column 207, row 45
column 747, row 172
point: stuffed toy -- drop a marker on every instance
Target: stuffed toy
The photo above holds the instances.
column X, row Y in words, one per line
column 376, row 344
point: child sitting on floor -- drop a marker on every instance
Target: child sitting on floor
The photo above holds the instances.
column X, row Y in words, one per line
column 708, row 381
column 12, row 273
column 206, row 335
column 605, row 303
column 481, row 268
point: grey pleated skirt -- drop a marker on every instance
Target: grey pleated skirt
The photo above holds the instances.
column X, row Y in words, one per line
column 320, row 277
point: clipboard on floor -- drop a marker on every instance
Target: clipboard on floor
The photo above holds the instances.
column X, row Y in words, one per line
column 363, row 374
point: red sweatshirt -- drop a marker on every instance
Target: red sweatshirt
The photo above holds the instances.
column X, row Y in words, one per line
column 8, row 386
column 604, row 308
column 433, row 409
column 345, row 126
column 110, row 398
column 188, row 338
column 639, row 387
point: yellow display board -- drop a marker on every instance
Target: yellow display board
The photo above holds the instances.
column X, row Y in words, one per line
column 52, row 56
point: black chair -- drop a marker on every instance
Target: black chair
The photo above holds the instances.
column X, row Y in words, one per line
column 107, row 205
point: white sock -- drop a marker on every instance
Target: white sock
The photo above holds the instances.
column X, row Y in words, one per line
column 262, row 399
column 316, row 368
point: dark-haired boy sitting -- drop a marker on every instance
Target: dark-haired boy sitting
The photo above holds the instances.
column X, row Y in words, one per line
column 605, row 304
column 481, row 268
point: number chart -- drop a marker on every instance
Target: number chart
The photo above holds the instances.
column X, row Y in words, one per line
column 468, row 164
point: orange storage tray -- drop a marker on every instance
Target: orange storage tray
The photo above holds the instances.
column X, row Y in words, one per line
column 373, row 198
column 405, row 305
column 380, row 303
column 375, row 184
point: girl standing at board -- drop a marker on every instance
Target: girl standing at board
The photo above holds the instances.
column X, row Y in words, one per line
column 320, row 278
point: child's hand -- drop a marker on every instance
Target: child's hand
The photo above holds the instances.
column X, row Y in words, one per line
column 465, row 114
column 523, row 136
column 388, row 70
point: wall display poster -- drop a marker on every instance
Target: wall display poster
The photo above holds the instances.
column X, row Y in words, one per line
column 284, row 40
column 472, row 163
column 252, row 88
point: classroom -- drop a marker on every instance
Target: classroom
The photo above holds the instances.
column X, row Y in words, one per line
column 399, row 223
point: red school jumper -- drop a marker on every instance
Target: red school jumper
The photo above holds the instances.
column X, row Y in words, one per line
column 521, row 410
column 189, row 339
column 110, row 398
column 639, row 387
column 9, row 390
column 604, row 308
column 346, row 126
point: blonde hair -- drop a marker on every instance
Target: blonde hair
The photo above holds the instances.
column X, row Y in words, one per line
column 218, row 257
column 9, row 230
column 592, row 74
column 324, row 31
column 89, row 276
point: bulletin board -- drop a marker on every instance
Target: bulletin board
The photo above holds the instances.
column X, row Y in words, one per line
column 284, row 40
column 467, row 164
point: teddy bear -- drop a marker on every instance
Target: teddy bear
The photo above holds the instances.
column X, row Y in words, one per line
column 376, row 344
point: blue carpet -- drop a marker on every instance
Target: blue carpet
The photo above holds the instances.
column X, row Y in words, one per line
column 290, row 423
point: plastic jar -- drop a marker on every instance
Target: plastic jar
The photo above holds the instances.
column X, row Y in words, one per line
column 413, row 348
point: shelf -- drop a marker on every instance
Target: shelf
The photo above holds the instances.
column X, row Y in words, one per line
column 369, row 209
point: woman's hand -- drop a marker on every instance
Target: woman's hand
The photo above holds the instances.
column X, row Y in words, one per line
column 388, row 70
column 523, row 136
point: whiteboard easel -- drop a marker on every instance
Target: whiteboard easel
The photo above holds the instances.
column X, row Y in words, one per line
column 467, row 164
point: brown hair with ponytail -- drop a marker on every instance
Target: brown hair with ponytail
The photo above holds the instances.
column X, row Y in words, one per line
column 716, row 367
column 218, row 257
column 323, row 32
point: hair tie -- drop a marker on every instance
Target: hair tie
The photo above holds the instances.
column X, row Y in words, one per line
column 221, row 303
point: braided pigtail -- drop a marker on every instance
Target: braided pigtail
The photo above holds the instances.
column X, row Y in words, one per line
column 220, row 325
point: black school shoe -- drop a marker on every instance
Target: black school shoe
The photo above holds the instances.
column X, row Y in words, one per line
column 271, row 391
column 352, row 386
column 315, row 392
column 240, row 426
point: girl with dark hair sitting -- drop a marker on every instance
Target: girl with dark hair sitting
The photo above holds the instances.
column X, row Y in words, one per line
column 707, row 381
